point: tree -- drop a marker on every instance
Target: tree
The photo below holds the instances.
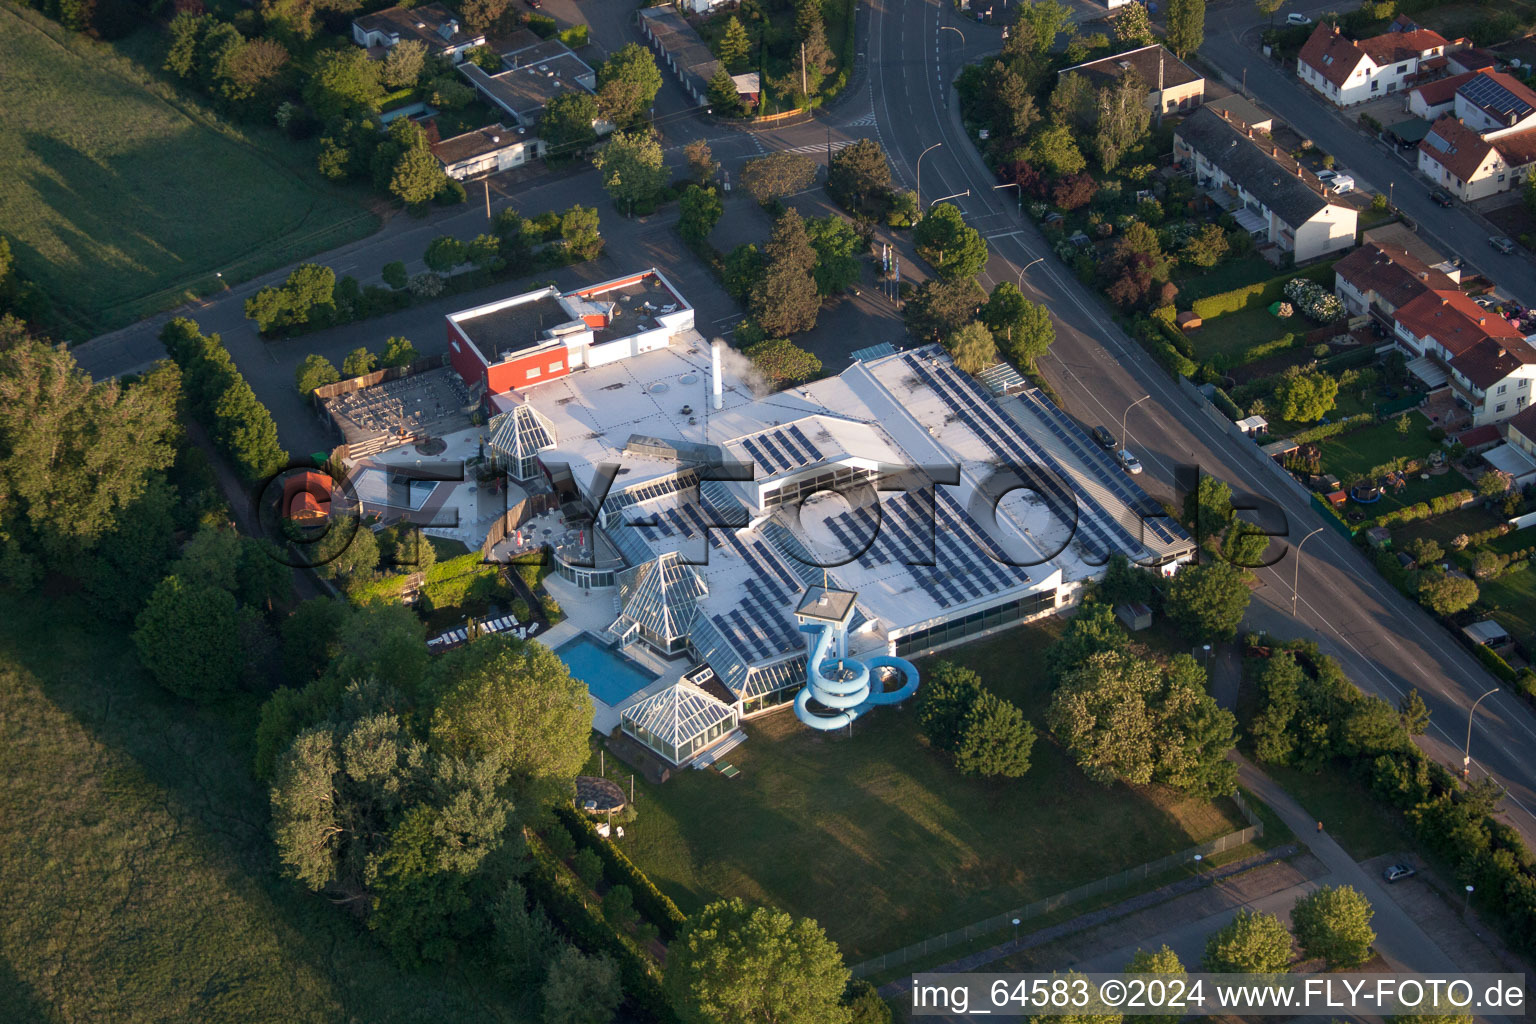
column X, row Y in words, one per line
column 995, row 739
column 1207, row 601
column 483, row 15
column 724, row 97
column 944, row 704
column 1123, row 117
column 1186, row 26
column 581, row 989
column 732, row 964
column 777, row 175
column 187, row 31
column 745, row 266
column 1024, row 328
column 1131, row 25
column 859, row 174
column 1099, row 712
column 525, row 943
column 949, row 244
column 444, row 253
column 1492, row 484
column 183, row 638
column 399, row 351
column 864, row 1003
column 1305, row 396
column 972, row 348
column 699, row 211
column 942, row 307
column 1253, row 943
column 634, row 172
column 566, row 125
column 1413, row 713
column 417, row 176
column 1208, row 508
column 1333, row 924
column 1010, row 102
column 733, row 45
column 1092, row 630
column 249, row 69
column 344, row 80
column 1055, row 148
column 1206, row 247
column 579, row 232
column 358, row 362
column 837, row 244
column 701, row 162
column 784, row 300
column 782, row 362
column 1444, row 593
column 1162, row 961
column 1269, row 7
column 1045, row 18
column 348, row 551
column 75, row 453
column 403, row 64
column 517, row 704
column 627, row 83
column 394, row 274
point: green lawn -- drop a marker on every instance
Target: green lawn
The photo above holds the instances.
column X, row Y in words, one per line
column 1352, row 455
column 139, row 879
column 123, row 197
column 1197, row 282
column 1230, row 334
column 879, row 840
column 1512, row 600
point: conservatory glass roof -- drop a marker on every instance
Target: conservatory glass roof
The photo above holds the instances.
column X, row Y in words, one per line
column 678, row 714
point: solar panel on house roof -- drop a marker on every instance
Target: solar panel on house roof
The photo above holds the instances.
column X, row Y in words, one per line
column 1486, row 92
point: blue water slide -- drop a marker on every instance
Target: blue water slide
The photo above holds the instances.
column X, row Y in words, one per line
column 843, row 684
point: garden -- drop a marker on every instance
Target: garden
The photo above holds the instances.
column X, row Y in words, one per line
column 883, row 842
column 766, row 36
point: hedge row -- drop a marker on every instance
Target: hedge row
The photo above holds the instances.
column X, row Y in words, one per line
column 1261, row 294
column 1253, row 353
column 1153, row 339
column 1494, row 663
column 1223, row 401
column 592, row 933
column 1423, row 510
column 655, row 905
column 1348, row 359
column 1334, row 429
column 1482, row 537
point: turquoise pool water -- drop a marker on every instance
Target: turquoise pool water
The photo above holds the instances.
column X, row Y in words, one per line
column 609, row 675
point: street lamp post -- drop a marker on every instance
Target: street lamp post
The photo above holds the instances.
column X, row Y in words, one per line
column 956, row 31
column 1466, row 750
column 1015, row 930
column 1198, row 859
column 920, row 156
column 1127, row 411
column 939, row 200
column 1296, row 577
column 1025, row 267
column 1467, row 901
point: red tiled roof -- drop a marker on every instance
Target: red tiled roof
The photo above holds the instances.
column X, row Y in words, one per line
column 1473, row 59
column 1491, row 360
column 1391, row 47
column 1464, row 150
column 1518, row 149
column 1453, row 320
column 1522, row 422
column 1395, row 275
column 1444, row 90
column 1327, row 41
column 1488, row 433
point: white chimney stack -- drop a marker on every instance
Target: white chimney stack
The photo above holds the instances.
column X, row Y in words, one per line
column 718, row 384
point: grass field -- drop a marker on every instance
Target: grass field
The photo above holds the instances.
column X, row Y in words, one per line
column 881, row 841
column 122, row 196
column 1350, row 456
column 1230, row 334
column 137, row 876
column 1512, row 600
column 1199, row 282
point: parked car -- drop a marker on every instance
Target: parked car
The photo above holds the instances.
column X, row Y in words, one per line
column 1502, row 243
column 1441, row 197
column 1130, row 463
column 1297, row 19
column 1336, row 182
column 1398, row 872
column 1105, row 438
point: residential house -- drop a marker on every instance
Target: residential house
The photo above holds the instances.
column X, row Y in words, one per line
column 486, row 151
column 1348, row 72
column 1277, row 200
column 435, row 25
column 1172, row 86
column 530, row 78
column 1379, row 278
column 1470, row 59
column 1237, row 107
column 1434, row 100
column 1520, row 431
column 1484, row 142
column 1480, row 358
column 1397, row 235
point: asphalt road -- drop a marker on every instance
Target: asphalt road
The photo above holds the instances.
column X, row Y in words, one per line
column 909, row 50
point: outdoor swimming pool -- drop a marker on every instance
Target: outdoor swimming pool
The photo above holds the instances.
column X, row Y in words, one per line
column 610, row 676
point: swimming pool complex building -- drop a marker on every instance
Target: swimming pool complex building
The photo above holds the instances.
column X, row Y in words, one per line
column 718, row 520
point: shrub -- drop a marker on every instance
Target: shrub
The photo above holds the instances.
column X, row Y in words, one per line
column 1314, row 300
column 588, row 866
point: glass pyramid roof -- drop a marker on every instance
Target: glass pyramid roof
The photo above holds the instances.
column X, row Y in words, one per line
column 520, row 432
column 660, row 596
column 678, row 714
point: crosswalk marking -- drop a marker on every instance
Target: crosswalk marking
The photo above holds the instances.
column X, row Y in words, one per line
column 821, row 147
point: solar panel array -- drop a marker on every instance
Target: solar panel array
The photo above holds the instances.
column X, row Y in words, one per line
column 977, row 410
column 782, row 449
column 947, row 553
column 618, row 501
column 1487, row 93
column 1109, row 474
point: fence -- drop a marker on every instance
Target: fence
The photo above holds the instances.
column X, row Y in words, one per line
column 1001, row 922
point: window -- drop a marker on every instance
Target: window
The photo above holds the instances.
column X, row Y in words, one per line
column 534, row 371
column 556, row 366
column 1503, row 388
column 1402, row 68
column 1523, row 383
column 1501, row 177
column 1375, row 85
column 1500, row 407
